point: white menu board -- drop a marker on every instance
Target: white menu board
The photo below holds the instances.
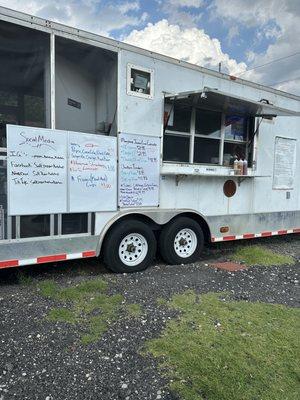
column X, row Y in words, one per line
column 139, row 163
column 92, row 172
column 37, row 170
column 284, row 163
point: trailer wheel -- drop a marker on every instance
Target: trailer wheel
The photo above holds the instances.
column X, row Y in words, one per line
column 129, row 247
column 181, row 241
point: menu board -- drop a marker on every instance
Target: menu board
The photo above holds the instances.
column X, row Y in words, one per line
column 37, row 170
column 92, row 172
column 284, row 163
column 139, row 163
column 51, row 171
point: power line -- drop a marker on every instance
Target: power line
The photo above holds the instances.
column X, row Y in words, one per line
column 270, row 62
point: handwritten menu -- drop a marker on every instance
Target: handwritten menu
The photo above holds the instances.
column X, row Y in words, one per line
column 284, row 163
column 92, row 172
column 139, row 160
column 37, row 170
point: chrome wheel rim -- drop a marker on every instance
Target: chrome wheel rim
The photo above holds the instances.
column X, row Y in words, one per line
column 185, row 243
column 133, row 249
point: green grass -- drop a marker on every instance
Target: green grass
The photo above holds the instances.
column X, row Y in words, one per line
column 160, row 301
column 87, row 305
column 261, row 256
column 62, row 315
column 134, row 310
column 219, row 349
column 24, row 279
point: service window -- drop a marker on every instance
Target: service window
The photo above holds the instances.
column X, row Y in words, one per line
column 140, row 81
column 236, row 139
column 204, row 136
column 177, row 134
column 207, row 137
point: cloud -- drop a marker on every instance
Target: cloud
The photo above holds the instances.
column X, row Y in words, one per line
column 278, row 21
column 189, row 44
column 129, row 6
column 89, row 15
column 182, row 12
column 187, row 3
column 232, row 33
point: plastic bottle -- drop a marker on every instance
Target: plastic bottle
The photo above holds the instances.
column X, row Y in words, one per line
column 240, row 167
column 236, row 167
column 245, row 167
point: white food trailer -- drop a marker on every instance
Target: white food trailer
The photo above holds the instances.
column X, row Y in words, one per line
column 108, row 149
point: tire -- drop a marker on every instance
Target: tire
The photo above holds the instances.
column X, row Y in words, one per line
column 187, row 231
column 130, row 246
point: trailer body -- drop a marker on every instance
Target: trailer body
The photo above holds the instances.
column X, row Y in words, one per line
column 69, row 80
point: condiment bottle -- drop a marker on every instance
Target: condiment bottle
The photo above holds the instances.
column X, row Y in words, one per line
column 245, row 167
column 240, row 167
column 236, row 167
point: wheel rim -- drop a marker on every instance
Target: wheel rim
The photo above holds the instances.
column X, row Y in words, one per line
column 185, row 243
column 133, row 249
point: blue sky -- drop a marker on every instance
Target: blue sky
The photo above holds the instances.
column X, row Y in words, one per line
column 240, row 34
column 247, row 38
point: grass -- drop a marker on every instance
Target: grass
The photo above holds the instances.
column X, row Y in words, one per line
column 62, row 315
column 261, row 256
column 222, row 349
column 24, row 279
column 134, row 310
column 160, row 301
column 87, row 305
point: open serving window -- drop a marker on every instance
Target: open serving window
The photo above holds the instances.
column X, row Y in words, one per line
column 212, row 127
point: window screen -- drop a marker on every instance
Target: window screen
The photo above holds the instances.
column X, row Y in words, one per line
column 235, row 128
column 208, row 123
column 180, row 118
column 206, row 151
column 176, row 148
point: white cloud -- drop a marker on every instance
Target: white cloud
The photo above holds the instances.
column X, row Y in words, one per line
column 90, row 15
column 278, row 20
column 189, row 44
column 232, row 33
column 129, row 6
column 187, row 3
column 177, row 14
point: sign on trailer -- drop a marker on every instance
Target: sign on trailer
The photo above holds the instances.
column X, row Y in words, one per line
column 37, row 170
column 92, row 172
column 139, row 158
column 60, row 171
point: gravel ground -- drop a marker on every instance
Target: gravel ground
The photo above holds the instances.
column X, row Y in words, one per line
column 44, row 360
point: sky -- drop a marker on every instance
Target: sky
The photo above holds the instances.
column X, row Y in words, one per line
column 256, row 40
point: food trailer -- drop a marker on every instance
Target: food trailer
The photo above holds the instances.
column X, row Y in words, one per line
column 110, row 150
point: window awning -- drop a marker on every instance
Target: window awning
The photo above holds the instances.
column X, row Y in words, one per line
column 226, row 102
